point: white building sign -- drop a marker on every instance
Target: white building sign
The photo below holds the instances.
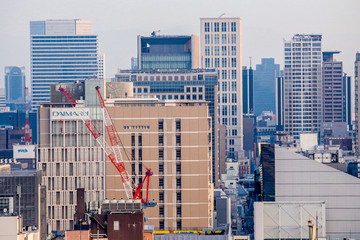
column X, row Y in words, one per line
column 24, row 151
column 68, row 113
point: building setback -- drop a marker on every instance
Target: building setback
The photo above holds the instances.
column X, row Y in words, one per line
column 221, row 49
column 60, row 51
column 303, row 84
column 173, row 139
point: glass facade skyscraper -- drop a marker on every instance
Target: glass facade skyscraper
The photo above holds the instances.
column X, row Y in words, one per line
column 61, row 51
column 248, row 90
column 15, row 87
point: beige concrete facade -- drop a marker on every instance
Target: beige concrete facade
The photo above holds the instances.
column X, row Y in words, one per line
column 69, row 158
column 174, row 140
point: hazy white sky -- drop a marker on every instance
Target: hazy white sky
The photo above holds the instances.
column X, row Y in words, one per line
column 265, row 23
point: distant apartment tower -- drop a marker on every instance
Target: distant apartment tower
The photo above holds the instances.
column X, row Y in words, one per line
column 265, row 76
column 303, row 85
column 357, row 99
column 333, row 88
column 221, row 49
column 15, row 87
column 347, row 100
column 168, row 52
column 60, row 51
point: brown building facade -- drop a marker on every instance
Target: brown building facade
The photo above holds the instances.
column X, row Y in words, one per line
column 173, row 138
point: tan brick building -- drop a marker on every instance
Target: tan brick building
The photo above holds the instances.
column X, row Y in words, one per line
column 174, row 140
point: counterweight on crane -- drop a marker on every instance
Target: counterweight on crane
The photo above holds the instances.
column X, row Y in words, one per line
column 112, row 150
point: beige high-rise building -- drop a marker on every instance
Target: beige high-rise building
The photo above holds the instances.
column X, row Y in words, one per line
column 221, row 48
column 173, row 138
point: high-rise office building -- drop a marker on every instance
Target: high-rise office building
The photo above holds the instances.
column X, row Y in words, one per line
column 60, row 51
column 332, row 88
column 168, row 52
column 221, row 49
column 357, row 99
column 303, row 85
column 15, row 87
column 265, row 76
column 248, row 90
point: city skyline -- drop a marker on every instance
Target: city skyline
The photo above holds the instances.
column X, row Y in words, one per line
column 117, row 38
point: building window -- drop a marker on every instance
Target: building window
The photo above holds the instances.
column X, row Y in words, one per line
column 178, row 182
column 207, row 62
column 140, row 139
column 133, row 139
column 233, row 86
column 116, row 225
column 234, row 121
column 207, row 38
column 217, row 63
column 162, row 224
column 178, row 211
column 207, row 27
column 161, row 210
column 233, row 97
column 233, row 50
column 216, row 51
column 178, row 125
column 233, row 62
column 161, row 183
column 234, row 132
column 178, row 225
column 223, row 74
column 161, row 140
column 178, row 140
column 178, row 168
column 224, row 86
column 161, row 154
column 233, row 38
column 233, row 26
column 234, row 110
column 207, row 51
column 224, row 62
column 223, row 51
column 161, row 168
column 161, row 125
column 223, row 38
column 233, row 74
column 224, row 121
column 178, row 197
column 216, row 38
column 216, row 27
column 178, row 154
column 223, row 27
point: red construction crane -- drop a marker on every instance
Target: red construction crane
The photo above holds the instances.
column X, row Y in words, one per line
column 27, row 133
column 112, row 150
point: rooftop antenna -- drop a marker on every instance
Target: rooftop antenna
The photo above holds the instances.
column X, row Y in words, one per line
column 222, row 15
column 250, row 62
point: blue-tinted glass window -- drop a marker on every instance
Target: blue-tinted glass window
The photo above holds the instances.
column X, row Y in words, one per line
column 216, row 27
column 207, row 27
column 223, row 27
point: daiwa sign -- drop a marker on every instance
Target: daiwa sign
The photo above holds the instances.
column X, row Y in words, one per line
column 68, row 113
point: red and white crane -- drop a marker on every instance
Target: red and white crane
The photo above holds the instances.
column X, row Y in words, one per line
column 112, row 150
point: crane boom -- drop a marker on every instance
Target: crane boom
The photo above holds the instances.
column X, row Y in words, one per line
column 112, row 152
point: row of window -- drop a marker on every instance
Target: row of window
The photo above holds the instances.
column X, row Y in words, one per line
column 215, row 27
column 215, row 39
column 225, row 51
column 215, row 62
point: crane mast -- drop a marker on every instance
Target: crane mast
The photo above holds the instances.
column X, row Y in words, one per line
column 112, row 150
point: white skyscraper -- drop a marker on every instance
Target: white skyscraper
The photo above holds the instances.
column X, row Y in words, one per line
column 303, row 83
column 221, row 48
column 61, row 51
